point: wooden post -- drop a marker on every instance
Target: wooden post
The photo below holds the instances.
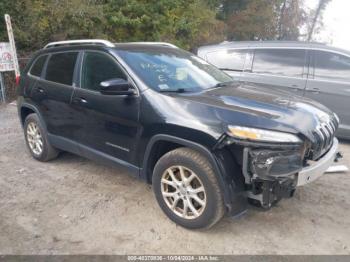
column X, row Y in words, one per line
column 13, row 46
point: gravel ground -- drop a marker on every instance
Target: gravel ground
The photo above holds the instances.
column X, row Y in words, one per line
column 74, row 206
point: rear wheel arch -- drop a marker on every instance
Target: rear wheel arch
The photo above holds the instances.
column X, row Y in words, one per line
column 27, row 109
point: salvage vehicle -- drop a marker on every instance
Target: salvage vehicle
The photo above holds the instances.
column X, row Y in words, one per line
column 314, row 70
column 208, row 145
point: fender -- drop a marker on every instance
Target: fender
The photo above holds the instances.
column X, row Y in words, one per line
column 32, row 107
column 232, row 199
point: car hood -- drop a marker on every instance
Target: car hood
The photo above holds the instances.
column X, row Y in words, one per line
column 255, row 106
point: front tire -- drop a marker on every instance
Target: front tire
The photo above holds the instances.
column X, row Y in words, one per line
column 36, row 139
column 187, row 190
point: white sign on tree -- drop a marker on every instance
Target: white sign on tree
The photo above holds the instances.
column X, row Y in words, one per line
column 6, row 58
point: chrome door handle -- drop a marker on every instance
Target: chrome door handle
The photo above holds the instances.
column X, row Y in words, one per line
column 295, row 88
column 39, row 90
column 314, row 90
column 80, row 101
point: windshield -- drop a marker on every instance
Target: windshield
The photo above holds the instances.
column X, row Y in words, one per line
column 173, row 70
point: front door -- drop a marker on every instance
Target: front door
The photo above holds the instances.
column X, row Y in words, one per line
column 108, row 124
column 329, row 84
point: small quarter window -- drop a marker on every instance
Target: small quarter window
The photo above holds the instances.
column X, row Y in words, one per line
column 38, row 66
column 60, row 68
column 228, row 59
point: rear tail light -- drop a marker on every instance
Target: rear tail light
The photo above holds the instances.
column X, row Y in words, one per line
column 18, row 78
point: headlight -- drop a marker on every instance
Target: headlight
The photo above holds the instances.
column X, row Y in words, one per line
column 262, row 135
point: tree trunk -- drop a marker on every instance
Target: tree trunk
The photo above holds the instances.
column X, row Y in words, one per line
column 320, row 7
column 280, row 22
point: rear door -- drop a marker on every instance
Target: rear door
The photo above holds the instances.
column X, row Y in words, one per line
column 231, row 61
column 53, row 91
column 283, row 69
column 329, row 84
column 35, row 73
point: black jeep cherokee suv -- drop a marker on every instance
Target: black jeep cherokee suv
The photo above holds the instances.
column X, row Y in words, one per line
column 208, row 145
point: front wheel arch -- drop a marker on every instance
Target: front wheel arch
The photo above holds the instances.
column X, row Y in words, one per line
column 230, row 196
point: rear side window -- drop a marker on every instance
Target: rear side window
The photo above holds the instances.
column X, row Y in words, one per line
column 60, row 68
column 228, row 59
column 38, row 66
column 282, row 62
column 331, row 66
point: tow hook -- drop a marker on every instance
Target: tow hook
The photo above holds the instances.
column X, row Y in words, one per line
column 338, row 156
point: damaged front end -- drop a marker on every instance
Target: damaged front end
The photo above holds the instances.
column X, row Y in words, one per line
column 274, row 163
column 271, row 173
column 269, row 169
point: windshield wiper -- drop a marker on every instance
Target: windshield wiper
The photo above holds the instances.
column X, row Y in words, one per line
column 230, row 69
column 223, row 84
column 179, row 90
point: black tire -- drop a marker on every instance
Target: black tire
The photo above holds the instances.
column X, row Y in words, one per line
column 48, row 152
column 196, row 162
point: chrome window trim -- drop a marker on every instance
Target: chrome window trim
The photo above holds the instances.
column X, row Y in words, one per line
column 290, row 77
column 330, row 81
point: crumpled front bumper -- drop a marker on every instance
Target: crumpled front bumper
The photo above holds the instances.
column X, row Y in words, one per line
column 270, row 181
column 319, row 167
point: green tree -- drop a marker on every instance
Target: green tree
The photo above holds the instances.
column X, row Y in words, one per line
column 262, row 19
column 256, row 21
column 186, row 23
column 291, row 18
column 37, row 22
column 315, row 19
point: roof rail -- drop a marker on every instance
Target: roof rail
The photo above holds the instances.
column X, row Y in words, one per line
column 81, row 41
column 153, row 43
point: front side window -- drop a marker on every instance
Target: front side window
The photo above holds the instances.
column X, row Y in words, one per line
column 38, row 66
column 331, row 66
column 60, row 68
column 281, row 62
column 173, row 69
column 99, row 67
column 228, row 59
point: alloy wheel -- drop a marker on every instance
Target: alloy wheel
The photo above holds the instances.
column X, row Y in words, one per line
column 183, row 192
column 34, row 138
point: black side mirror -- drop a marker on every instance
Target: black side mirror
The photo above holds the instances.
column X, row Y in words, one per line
column 116, row 86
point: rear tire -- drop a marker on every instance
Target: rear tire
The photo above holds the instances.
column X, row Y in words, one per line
column 36, row 139
column 187, row 190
